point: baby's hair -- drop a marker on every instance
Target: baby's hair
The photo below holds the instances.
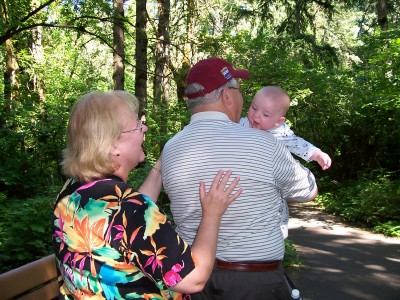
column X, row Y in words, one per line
column 277, row 94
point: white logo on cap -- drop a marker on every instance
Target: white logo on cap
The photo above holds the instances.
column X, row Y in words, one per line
column 225, row 72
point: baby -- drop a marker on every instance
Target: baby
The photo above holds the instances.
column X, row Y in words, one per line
column 267, row 112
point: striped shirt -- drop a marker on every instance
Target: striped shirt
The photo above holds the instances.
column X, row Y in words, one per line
column 250, row 228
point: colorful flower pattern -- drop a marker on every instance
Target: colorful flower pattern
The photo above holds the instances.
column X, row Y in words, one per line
column 111, row 242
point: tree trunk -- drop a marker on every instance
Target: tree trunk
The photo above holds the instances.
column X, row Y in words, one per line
column 141, row 55
column 119, row 51
column 180, row 71
column 382, row 14
column 38, row 56
column 11, row 81
column 297, row 29
column 161, row 99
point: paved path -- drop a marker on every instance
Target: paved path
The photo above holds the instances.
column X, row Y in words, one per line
column 342, row 262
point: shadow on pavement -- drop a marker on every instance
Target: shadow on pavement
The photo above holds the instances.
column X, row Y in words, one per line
column 340, row 261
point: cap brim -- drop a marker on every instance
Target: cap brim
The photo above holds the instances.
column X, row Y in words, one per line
column 244, row 74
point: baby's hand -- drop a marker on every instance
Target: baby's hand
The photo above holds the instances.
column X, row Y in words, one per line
column 322, row 158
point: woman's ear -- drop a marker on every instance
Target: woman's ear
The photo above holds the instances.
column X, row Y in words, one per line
column 114, row 149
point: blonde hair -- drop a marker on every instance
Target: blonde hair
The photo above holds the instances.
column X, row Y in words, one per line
column 95, row 122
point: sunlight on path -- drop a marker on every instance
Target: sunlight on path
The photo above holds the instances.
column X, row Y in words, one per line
column 342, row 261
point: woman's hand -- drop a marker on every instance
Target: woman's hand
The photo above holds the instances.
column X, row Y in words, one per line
column 214, row 204
column 219, row 197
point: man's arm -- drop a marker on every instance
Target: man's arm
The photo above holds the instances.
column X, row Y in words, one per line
column 296, row 182
column 313, row 191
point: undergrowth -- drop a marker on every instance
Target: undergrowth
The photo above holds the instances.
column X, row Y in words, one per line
column 292, row 257
column 370, row 203
column 25, row 231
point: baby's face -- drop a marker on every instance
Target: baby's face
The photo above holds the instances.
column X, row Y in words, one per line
column 264, row 113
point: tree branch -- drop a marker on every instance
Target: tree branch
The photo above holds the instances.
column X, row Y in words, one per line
column 34, row 12
column 15, row 30
column 65, row 26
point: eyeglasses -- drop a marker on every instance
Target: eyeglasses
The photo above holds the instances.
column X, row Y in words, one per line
column 139, row 126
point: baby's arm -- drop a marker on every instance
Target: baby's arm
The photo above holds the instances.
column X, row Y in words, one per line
column 322, row 158
column 300, row 147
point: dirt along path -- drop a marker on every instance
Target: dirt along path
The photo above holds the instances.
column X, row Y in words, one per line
column 340, row 261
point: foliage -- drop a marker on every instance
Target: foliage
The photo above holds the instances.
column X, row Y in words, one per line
column 292, row 258
column 351, row 111
column 389, row 228
column 373, row 202
column 25, row 231
column 33, row 131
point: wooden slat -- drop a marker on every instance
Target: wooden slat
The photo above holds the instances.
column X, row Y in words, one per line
column 46, row 292
column 29, row 276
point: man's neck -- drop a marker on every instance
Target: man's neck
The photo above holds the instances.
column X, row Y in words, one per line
column 216, row 107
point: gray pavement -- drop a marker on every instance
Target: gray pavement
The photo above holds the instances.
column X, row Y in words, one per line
column 340, row 261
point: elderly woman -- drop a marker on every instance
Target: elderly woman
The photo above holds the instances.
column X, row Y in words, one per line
column 110, row 240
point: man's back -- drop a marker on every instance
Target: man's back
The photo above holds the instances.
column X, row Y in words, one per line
column 250, row 228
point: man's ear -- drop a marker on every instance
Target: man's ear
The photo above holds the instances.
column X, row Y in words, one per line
column 280, row 121
column 226, row 96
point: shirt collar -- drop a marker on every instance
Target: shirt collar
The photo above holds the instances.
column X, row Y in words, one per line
column 209, row 115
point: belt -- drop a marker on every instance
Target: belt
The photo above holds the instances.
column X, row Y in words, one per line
column 248, row 267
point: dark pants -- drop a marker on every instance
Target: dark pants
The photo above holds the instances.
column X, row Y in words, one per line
column 238, row 285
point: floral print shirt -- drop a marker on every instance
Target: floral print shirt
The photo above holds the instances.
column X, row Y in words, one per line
column 111, row 242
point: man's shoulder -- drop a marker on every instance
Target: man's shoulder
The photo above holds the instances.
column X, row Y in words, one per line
column 175, row 137
column 255, row 133
column 229, row 131
column 244, row 121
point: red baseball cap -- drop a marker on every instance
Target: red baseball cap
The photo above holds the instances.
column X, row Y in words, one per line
column 212, row 73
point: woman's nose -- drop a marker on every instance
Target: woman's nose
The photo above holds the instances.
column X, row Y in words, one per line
column 144, row 129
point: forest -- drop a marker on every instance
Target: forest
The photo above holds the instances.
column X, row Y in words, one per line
column 338, row 60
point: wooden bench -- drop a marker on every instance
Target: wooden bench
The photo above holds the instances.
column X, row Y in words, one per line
column 36, row 280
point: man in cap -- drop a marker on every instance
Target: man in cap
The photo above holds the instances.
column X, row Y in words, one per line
column 250, row 242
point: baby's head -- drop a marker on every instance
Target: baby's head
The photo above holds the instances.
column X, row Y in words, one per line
column 269, row 107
